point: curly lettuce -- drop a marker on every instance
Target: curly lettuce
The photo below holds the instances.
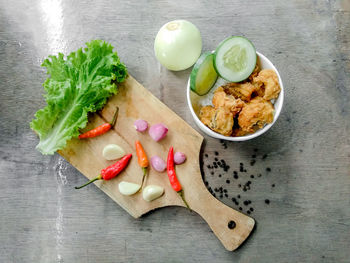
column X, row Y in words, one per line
column 77, row 85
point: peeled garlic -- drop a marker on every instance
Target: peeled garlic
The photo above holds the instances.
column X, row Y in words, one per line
column 126, row 188
column 112, row 152
column 152, row 192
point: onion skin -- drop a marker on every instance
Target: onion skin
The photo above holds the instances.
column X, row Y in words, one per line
column 158, row 131
column 179, row 158
column 141, row 125
column 158, row 164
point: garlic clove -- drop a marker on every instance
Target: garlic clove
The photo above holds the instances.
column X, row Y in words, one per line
column 152, row 192
column 126, row 188
column 112, row 152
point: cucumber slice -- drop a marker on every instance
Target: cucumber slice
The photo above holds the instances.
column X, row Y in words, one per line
column 235, row 59
column 203, row 75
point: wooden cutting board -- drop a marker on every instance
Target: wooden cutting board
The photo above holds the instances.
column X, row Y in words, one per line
column 136, row 102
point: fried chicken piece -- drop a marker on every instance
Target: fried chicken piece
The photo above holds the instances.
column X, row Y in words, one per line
column 206, row 115
column 237, row 132
column 255, row 115
column 254, row 73
column 266, row 84
column 241, row 91
column 227, row 102
column 219, row 120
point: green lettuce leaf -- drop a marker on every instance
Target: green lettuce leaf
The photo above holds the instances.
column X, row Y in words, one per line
column 77, row 85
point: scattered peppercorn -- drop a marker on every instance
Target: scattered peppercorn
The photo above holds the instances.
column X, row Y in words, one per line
column 231, row 225
column 245, row 185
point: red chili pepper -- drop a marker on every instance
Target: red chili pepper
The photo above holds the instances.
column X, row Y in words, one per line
column 174, row 182
column 102, row 129
column 111, row 171
column 142, row 159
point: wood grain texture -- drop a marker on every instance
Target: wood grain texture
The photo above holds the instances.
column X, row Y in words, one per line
column 44, row 219
column 135, row 102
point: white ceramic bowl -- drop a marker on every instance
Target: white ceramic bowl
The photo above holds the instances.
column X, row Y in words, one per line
column 195, row 102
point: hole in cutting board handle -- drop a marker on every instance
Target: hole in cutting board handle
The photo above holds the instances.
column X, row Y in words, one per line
column 231, row 224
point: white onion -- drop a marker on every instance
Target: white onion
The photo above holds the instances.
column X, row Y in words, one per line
column 158, row 163
column 158, row 131
column 178, row 45
column 141, row 125
column 179, row 158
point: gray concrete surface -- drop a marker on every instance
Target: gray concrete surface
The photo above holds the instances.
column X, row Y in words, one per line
column 43, row 219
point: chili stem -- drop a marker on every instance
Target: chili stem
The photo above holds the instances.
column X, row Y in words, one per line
column 91, row 181
column 144, row 169
column 181, row 193
column 115, row 116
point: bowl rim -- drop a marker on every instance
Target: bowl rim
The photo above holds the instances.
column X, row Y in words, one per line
column 216, row 135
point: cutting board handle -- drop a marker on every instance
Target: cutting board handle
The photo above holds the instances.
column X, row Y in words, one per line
column 229, row 225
